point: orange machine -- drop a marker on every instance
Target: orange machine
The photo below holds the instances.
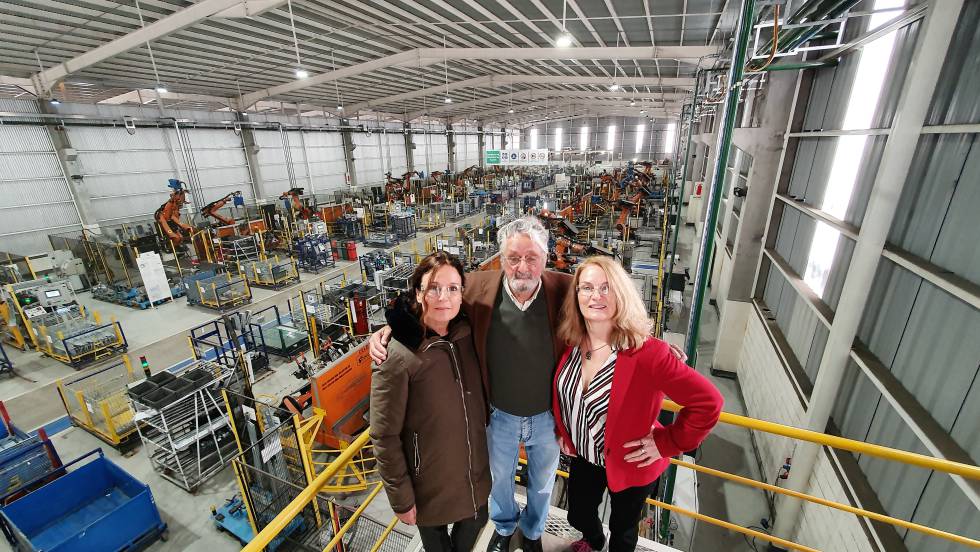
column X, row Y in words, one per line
column 227, row 227
column 168, row 215
column 299, row 208
column 342, row 391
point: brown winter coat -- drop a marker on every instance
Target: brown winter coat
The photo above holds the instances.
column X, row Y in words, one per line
column 428, row 425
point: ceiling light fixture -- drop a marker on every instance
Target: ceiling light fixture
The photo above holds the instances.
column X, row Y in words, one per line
column 632, row 103
column 643, row 111
column 448, row 100
column 54, row 101
column 511, row 110
column 613, row 87
column 300, row 72
column 160, row 88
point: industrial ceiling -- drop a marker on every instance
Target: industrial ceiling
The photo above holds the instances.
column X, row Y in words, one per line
column 399, row 59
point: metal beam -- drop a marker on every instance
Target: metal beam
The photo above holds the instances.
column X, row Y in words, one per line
column 499, row 81
column 427, row 56
column 45, row 80
column 146, row 95
column 548, row 115
column 593, row 105
column 534, row 94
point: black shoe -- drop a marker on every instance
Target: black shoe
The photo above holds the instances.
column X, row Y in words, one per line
column 532, row 545
column 499, row 543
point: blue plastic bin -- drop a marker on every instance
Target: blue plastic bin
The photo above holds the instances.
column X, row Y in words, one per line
column 95, row 507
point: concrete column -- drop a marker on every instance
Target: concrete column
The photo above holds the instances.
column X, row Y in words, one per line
column 409, row 148
column 348, row 140
column 481, row 145
column 451, row 145
column 765, row 145
column 252, row 159
column 72, row 170
column 933, row 41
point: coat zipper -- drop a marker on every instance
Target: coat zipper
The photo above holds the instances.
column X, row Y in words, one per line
column 466, row 420
column 418, row 455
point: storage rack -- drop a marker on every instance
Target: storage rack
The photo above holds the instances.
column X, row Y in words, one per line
column 280, row 336
column 183, row 422
column 219, row 292
column 96, row 401
column 403, row 225
column 313, row 253
column 81, row 340
column 238, row 250
column 271, row 273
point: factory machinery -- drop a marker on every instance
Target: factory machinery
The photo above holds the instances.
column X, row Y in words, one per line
column 220, row 291
column 44, row 315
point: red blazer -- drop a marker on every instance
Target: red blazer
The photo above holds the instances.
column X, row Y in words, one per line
column 641, row 378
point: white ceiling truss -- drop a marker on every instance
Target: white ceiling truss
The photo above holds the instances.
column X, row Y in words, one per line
column 398, row 57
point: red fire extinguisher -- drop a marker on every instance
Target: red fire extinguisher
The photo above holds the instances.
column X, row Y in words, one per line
column 697, row 189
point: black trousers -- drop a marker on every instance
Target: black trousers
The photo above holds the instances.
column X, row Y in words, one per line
column 438, row 538
column 586, row 485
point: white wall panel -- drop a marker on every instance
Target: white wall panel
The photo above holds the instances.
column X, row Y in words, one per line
column 272, row 162
column 221, row 165
column 34, row 197
column 326, row 157
column 769, row 395
column 125, row 174
column 395, row 153
column 370, row 163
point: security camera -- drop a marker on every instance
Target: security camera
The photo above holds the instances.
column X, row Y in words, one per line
column 740, row 191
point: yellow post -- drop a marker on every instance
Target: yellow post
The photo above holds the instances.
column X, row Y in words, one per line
column 240, row 478
column 122, row 261
column 314, row 341
column 190, row 343
column 109, row 424
column 80, row 398
column 176, row 259
column 30, row 268
column 118, row 331
column 129, row 365
column 97, row 317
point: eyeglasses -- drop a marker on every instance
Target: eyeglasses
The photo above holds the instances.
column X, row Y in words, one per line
column 515, row 260
column 435, row 292
column 587, row 290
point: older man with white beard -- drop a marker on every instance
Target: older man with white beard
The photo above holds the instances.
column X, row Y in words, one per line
column 514, row 314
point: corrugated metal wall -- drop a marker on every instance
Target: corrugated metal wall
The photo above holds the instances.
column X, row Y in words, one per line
column 919, row 333
column 394, row 151
column 126, row 174
column 34, row 196
column 221, row 164
column 328, row 167
column 370, row 163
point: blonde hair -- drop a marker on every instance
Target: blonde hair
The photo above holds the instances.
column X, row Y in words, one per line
column 631, row 324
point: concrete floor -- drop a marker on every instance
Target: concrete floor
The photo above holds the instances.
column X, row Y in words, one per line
column 161, row 335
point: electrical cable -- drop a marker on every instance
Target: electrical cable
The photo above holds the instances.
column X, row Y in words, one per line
column 775, row 41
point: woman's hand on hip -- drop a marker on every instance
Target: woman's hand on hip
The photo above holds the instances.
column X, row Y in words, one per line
column 646, row 454
column 408, row 518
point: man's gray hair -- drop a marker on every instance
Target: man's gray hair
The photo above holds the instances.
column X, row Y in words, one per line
column 529, row 226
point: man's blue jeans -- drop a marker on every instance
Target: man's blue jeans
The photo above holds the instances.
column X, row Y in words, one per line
column 504, row 436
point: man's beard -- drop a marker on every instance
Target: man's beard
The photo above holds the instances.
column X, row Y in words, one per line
column 523, row 282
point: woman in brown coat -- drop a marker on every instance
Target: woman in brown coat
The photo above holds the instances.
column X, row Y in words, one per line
column 429, row 413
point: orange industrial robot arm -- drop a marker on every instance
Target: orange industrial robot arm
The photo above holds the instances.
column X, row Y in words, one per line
column 211, row 209
column 168, row 215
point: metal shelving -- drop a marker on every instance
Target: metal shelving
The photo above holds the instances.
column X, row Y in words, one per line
column 183, row 424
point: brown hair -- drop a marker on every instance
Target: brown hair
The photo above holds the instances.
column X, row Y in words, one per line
column 429, row 263
column 631, row 324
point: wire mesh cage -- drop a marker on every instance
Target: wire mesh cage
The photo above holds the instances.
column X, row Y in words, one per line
column 96, row 401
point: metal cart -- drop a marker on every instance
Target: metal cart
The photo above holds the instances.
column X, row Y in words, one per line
column 96, row 401
column 95, row 507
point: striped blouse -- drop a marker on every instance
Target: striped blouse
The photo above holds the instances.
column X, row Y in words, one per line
column 585, row 413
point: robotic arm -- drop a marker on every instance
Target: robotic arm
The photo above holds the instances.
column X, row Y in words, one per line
column 168, row 215
column 293, row 194
column 211, row 209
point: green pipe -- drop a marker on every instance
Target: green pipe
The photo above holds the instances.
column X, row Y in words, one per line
column 725, row 130
column 680, row 198
column 797, row 65
column 735, row 73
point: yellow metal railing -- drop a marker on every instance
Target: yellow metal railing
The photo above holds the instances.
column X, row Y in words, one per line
column 859, row 447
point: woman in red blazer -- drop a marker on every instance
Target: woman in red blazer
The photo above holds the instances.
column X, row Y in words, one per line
column 608, row 389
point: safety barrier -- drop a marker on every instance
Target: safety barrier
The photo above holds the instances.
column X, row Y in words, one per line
column 306, row 496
